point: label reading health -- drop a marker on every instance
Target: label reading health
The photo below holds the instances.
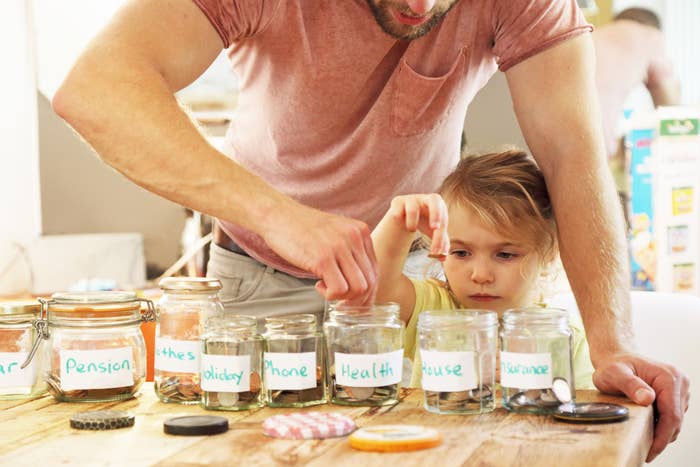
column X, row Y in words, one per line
column 368, row 370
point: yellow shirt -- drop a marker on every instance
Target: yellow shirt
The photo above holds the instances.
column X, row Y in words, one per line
column 432, row 295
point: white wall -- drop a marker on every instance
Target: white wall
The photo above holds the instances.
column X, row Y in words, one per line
column 20, row 211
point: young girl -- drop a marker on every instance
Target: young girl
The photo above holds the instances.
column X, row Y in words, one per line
column 500, row 238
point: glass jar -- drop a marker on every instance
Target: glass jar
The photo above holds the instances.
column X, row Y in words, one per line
column 365, row 354
column 95, row 351
column 294, row 362
column 17, row 334
column 186, row 304
column 458, row 351
column 536, row 370
column 231, row 365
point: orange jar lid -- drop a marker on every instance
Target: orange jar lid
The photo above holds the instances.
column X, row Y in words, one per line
column 395, row 438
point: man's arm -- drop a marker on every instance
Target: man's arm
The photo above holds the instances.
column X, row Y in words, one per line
column 555, row 101
column 119, row 97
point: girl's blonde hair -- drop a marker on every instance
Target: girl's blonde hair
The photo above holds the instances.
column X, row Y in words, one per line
column 508, row 192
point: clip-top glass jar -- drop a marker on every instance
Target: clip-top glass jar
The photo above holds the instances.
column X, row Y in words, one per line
column 17, row 334
column 231, row 365
column 365, row 354
column 184, row 307
column 536, row 371
column 294, row 362
column 458, row 351
column 95, row 350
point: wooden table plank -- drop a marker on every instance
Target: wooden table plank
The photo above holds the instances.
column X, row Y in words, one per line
column 37, row 432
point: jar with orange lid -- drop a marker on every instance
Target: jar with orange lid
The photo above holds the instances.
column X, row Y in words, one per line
column 186, row 304
column 16, row 337
column 95, row 351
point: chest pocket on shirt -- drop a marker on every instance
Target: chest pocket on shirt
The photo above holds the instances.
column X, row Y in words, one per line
column 421, row 103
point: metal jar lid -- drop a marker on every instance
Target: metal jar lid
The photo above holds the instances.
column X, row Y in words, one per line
column 17, row 309
column 93, row 298
column 190, row 284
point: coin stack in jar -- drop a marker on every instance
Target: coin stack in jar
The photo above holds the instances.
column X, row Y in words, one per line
column 536, row 370
column 365, row 354
column 186, row 304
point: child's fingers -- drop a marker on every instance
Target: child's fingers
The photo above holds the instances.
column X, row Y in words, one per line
column 412, row 212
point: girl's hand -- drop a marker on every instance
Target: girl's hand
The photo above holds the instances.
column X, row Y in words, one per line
column 427, row 214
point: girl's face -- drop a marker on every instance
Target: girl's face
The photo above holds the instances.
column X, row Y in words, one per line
column 484, row 269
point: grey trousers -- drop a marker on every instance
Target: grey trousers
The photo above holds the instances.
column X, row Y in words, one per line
column 252, row 288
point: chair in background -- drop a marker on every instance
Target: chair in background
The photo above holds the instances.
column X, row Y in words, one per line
column 667, row 328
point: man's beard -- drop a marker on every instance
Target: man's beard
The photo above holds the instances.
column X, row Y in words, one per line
column 388, row 23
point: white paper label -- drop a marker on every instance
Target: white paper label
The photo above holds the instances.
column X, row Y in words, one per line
column 447, row 371
column 177, row 356
column 97, row 369
column 526, row 370
column 290, row 370
column 225, row 373
column 368, row 370
column 11, row 376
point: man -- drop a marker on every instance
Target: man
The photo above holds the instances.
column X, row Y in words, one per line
column 343, row 105
column 630, row 52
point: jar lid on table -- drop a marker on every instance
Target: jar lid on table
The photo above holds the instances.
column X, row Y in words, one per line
column 190, row 284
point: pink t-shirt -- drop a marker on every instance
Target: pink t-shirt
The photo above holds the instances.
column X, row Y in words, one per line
column 627, row 54
column 342, row 117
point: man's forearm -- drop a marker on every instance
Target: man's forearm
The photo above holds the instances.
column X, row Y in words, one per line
column 594, row 253
column 138, row 128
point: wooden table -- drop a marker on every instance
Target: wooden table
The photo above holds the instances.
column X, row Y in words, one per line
column 36, row 432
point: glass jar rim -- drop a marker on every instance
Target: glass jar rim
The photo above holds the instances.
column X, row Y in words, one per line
column 477, row 318
column 535, row 315
column 190, row 284
column 355, row 314
column 233, row 323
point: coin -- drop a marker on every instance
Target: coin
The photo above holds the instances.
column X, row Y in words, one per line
column 254, row 382
column 227, row 399
column 359, row 393
column 483, row 392
column 561, row 390
column 547, row 399
column 519, row 400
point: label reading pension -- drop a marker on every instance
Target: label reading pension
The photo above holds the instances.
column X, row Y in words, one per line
column 368, row 370
column 97, row 369
column 225, row 373
column 294, row 371
column 526, row 370
column 12, row 376
column 447, row 371
column 177, row 356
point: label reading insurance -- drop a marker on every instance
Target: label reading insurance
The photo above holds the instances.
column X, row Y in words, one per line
column 526, row 370
column 97, row 369
column 290, row 370
column 368, row 370
column 11, row 376
column 177, row 356
column 225, row 373
column 447, row 371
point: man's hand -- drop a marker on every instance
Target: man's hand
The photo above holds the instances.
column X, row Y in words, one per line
column 645, row 381
column 336, row 249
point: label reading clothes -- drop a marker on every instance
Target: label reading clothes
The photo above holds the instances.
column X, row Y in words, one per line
column 177, row 356
column 526, row 370
column 368, row 370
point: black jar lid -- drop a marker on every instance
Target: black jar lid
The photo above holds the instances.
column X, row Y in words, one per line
column 195, row 425
column 591, row 412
